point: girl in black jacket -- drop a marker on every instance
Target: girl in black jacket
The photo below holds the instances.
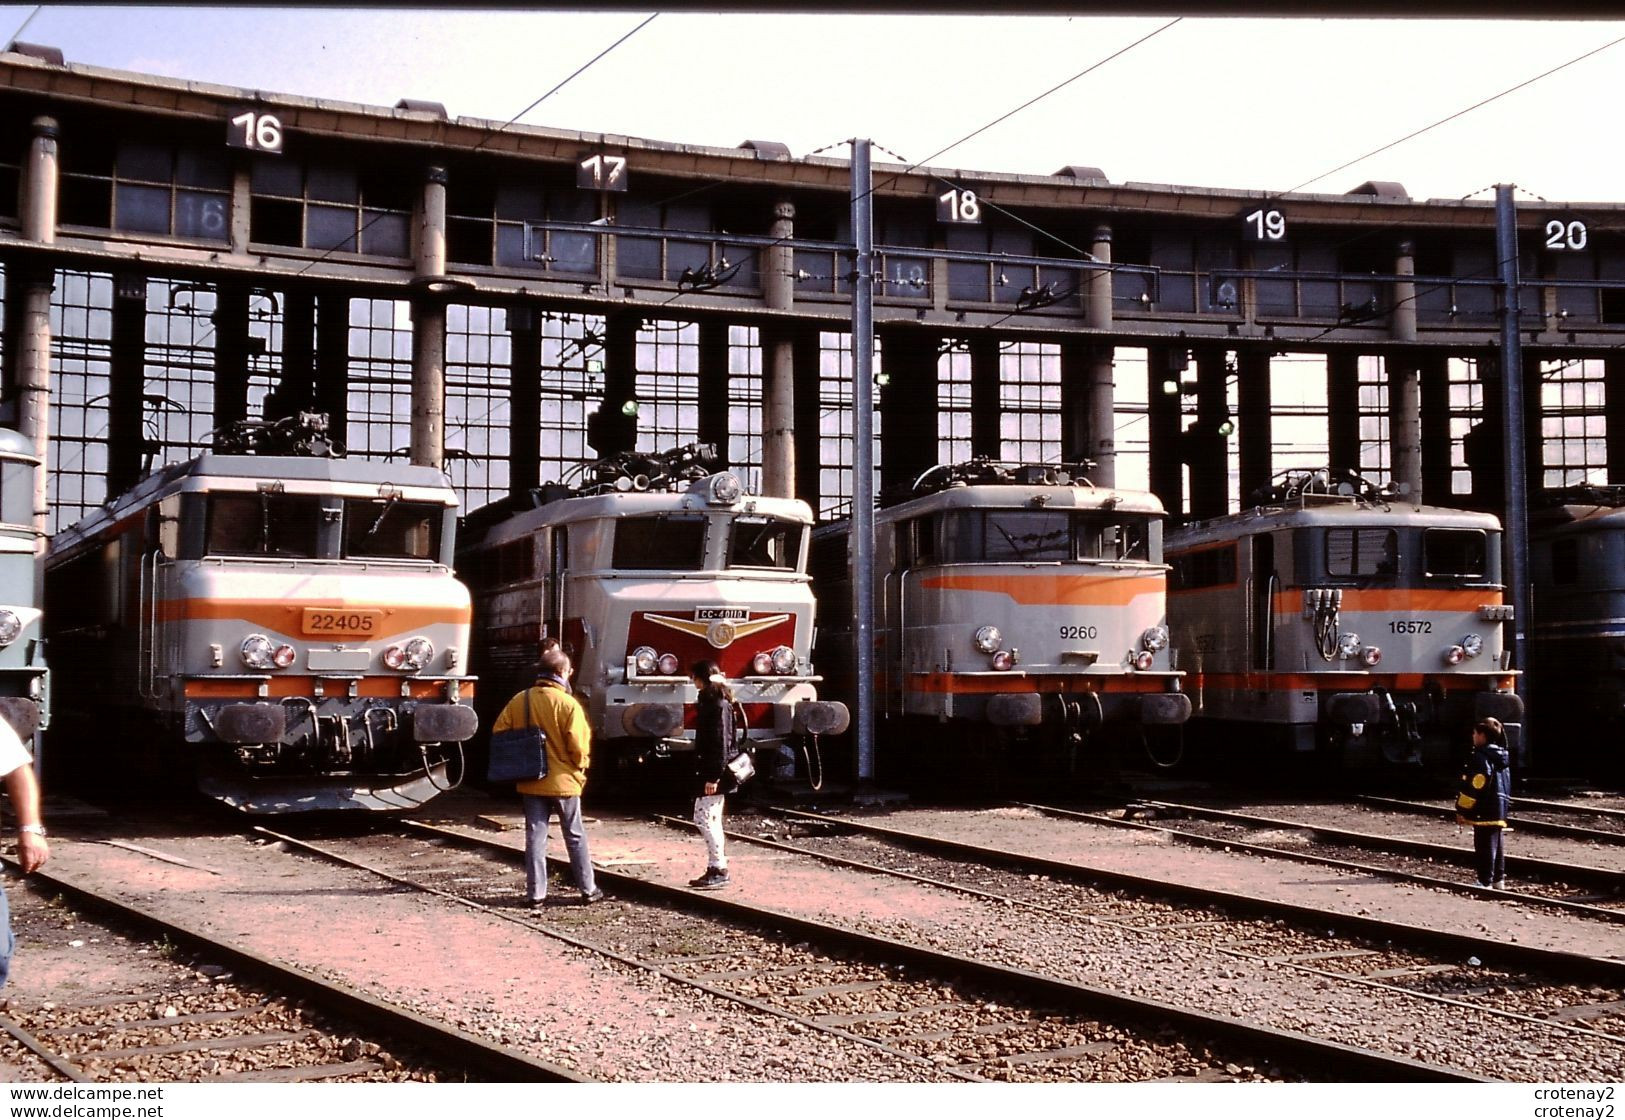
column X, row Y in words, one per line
column 713, row 746
column 1484, row 799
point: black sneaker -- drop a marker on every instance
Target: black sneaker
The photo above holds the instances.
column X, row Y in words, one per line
column 711, row 880
column 595, row 896
column 704, row 880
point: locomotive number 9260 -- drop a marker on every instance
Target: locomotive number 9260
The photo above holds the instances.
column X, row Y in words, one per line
column 1080, row 633
column 325, row 620
column 1410, row 626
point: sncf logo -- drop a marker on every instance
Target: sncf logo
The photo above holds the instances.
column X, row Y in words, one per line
column 721, row 632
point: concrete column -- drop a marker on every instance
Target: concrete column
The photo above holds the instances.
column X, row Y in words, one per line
column 1405, row 424
column 1534, row 438
column 1163, row 431
column 333, row 363
column 126, row 430
column 1404, row 381
column 230, row 353
column 524, row 400
column 713, row 387
column 1101, row 402
column 1482, row 448
column 1254, row 434
column 33, row 366
column 778, row 360
column 1614, row 414
column 612, row 429
column 429, row 328
column 1343, row 410
column 808, row 417
column 296, row 387
column 1435, row 429
column 985, row 406
column 1207, row 449
column 908, row 406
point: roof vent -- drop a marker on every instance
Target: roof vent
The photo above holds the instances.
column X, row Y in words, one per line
column 1379, row 188
column 53, row 55
column 433, row 108
column 767, row 149
column 1078, row 171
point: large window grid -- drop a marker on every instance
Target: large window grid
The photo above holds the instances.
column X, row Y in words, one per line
column 1298, row 413
column 668, row 384
column 1030, row 402
column 479, row 359
column 81, row 377
column 572, row 388
column 505, row 224
column 177, row 378
column 745, row 403
column 835, row 420
column 1374, row 420
column 379, row 402
column 1573, row 426
column 953, row 401
column 1466, row 412
column 1130, row 381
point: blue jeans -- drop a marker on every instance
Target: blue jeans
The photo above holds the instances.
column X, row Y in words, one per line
column 537, row 812
column 8, row 940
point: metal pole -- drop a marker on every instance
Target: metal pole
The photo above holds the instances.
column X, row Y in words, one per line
column 1516, row 523
column 862, row 552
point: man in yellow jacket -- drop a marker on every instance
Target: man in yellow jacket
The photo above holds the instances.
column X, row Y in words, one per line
column 569, row 749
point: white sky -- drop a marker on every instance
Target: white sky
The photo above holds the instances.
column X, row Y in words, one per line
column 1247, row 103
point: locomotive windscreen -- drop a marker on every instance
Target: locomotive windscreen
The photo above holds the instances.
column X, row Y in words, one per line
column 1455, row 553
column 660, row 542
column 388, row 528
column 765, row 542
column 264, row 524
column 1041, row 536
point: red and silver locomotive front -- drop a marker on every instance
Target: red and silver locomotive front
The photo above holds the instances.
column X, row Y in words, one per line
column 704, row 573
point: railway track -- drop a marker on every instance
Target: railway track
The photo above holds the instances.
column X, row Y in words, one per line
column 1541, row 818
column 955, row 1017
column 1580, row 889
column 1542, row 997
column 186, row 1007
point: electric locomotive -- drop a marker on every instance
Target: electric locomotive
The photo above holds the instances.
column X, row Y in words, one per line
column 1332, row 621
column 278, row 620
column 25, row 683
column 649, row 564
column 1577, row 633
column 1019, row 609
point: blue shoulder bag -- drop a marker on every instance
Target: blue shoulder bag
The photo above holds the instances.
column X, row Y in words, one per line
column 519, row 755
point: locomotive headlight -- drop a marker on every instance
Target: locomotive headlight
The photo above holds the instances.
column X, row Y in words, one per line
column 988, row 639
column 784, row 660
column 1455, row 655
column 1348, row 646
column 1371, row 655
column 668, row 664
column 644, row 660
column 10, row 627
column 419, row 652
column 1155, row 638
column 726, row 488
column 762, row 664
column 258, row 652
column 1143, row 660
column 1003, row 660
column 1472, row 645
column 283, row 656
column 410, row 656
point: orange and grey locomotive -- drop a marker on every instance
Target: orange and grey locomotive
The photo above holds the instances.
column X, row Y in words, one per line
column 1333, row 621
column 651, row 564
column 284, row 622
column 1019, row 604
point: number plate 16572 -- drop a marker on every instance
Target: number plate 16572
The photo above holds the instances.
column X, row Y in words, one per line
column 345, row 623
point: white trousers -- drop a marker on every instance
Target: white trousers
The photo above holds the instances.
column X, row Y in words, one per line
column 708, row 819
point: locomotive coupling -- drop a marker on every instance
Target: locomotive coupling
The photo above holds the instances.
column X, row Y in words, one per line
column 251, row 723
column 1015, row 709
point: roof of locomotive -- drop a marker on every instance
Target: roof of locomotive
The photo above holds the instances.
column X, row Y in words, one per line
column 622, row 503
column 1584, row 509
column 1324, row 510
column 307, row 474
column 1017, row 496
